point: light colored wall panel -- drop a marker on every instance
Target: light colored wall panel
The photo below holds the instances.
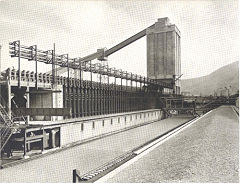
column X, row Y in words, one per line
column 78, row 131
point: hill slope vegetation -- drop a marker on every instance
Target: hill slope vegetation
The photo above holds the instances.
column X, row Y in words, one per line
column 223, row 77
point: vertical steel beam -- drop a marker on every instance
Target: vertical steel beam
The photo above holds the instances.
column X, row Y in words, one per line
column 36, row 68
column 83, row 101
column 53, row 65
column 131, row 94
column 0, row 62
column 91, row 91
column 131, row 81
column 27, row 104
column 24, row 143
column 43, row 139
column 64, row 96
column 77, row 100
column 81, row 90
column 140, row 94
column 140, row 83
column 97, row 99
column 136, row 84
column 74, row 176
column 108, row 97
column 125, row 100
column 84, row 109
column 104, row 98
column 100, row 94
column 9, row 104
column 111, row 101
column 68, row 86
column 19, row 63
column 182, row 102
column 145, row 91
column 94, row 102
column 118, row 105
column 73, row 89
column 115, row 95
column 194, row 108
column 121, row 102
column 87, row 99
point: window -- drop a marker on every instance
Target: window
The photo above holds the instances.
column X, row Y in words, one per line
column 102, row 122
column 125, row 118
column 111, row 121
column 118, row 120
column 131, row 118
column 93, row 124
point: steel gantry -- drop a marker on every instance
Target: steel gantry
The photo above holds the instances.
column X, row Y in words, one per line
column 49, row 57
column 88, row 97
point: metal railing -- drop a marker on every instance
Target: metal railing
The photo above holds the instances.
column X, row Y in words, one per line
column 7, row 122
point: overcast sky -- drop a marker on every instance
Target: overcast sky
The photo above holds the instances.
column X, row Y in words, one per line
column 209, row 30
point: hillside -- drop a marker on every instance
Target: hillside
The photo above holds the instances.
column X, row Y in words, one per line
column 223, row 77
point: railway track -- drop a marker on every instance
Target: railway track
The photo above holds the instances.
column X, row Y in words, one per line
column 96, row 174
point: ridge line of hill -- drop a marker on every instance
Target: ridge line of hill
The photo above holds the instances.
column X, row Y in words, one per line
column 226, row 76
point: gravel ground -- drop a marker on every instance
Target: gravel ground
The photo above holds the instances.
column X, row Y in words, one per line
column 58, row 167
column 207, row 151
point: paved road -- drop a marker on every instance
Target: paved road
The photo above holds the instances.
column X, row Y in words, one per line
column 58, row 167
column 207, row 151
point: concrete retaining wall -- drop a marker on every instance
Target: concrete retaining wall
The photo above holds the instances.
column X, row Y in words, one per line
column 78, row 131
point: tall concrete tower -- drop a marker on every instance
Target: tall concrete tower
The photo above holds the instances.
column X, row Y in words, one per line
column 163, row 53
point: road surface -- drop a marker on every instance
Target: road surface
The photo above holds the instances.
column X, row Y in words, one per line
column 206, row 151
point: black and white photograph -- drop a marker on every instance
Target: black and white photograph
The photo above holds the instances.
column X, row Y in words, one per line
column 119, row 91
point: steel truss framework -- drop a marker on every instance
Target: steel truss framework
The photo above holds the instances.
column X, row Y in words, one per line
column 83, row 97
column 87, row 98
column 50, row 57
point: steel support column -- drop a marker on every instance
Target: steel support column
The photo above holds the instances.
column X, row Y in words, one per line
column 53, row 66
column 19, row 64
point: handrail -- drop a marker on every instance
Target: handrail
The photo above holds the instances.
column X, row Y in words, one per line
column 18, row 116
column 6, row 125
column 4, row 107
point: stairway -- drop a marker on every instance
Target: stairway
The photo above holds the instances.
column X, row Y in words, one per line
column 6, row 129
